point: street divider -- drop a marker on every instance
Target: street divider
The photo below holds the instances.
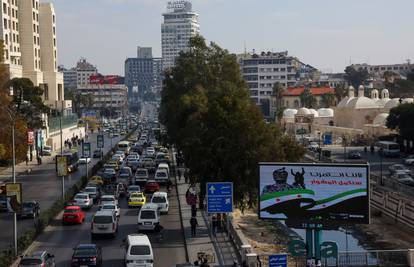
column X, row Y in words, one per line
column 46, row 217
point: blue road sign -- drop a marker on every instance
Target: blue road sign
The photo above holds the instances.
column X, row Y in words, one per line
column 219, row 197
column 278, row 260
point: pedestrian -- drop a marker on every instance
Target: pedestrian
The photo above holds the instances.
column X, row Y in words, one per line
column 194, row 224
column 39, row 161
column 179, row 174
column 214, row 224
column 169, row 183
column 27, row 160
column 205, row 263
column 193, row 210
column 259, row 262
column 70, row 145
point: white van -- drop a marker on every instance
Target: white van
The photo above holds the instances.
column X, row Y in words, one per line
column 148, row 217
column 161, row 199
column 161, row 176
column 104, row 222
column 164, row 166
column 138, row 251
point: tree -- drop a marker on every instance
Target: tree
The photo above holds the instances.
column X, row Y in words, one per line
column 28, row 101
column 307, row 99
column 401, row 119
column 277, row 92
column 328, row 100
column 209, row 116
column 356, row 77
column 340, row 91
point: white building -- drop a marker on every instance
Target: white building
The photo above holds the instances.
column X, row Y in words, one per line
column 180, row 24
column 379, row 70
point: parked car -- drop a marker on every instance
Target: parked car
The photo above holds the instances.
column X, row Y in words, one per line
column 398, row 168
column 136, row 199
column 30, row 209
column 83, row 200
column 403, row 178
column 151, row 187
column 409, row 160
column 313, row 146
column 47, row 151
column 86, row 255
column 161, row 200
column 104, row 222
column 354, row 154
column 38, row 259
column 73, row 214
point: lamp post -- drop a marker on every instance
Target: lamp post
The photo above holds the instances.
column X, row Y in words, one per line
column 319, row 149
column 344, row 142
column 380, row 155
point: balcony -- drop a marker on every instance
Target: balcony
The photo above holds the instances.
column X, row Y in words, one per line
column 67, row 121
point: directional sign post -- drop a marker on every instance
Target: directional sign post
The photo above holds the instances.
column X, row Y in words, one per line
column 100, row 141
column 278, row 260
column 220, row 197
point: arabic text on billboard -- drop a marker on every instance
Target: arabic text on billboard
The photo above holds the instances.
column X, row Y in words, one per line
column 314, row 192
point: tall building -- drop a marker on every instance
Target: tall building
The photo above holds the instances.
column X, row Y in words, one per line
column 180, row 24
column 79, row 75
column 262, row 71
column 143, row 73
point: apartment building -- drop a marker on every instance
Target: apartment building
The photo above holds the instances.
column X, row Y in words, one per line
column 180, row 24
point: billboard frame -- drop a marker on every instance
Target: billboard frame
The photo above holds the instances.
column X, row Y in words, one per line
column 331, row 224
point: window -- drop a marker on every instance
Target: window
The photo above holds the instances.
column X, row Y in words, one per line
column 4, row 8
column 46, row 91
column 5, row 23
column 34, row 16
column 34, row 39
column 34, row 27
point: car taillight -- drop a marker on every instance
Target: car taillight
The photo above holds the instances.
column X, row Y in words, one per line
column 43, row 265
column 74, row 259
column 93, row 259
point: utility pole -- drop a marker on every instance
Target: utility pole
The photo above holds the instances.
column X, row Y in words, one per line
column 61, row 148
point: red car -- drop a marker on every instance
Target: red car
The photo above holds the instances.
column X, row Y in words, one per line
column 73, row 214
column 151, row 187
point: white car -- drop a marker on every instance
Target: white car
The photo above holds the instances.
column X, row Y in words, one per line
column 84, row 160
column 313, row 146
column 161, row 176
column 104, row 222
column 161, row 200
column 108, row 199
column 148, row 217
column 150, row 151
column 138, row 251
column 111, row 206
column 83, row 200
column 409, row 160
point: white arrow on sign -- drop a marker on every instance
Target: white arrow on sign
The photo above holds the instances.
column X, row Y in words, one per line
column 228, row 200
column 212, row 189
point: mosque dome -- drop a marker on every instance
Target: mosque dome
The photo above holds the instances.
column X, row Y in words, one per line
column 381, row 119
column 303, row 111
column 408, row 100
column 392, row 103
column 289, row 113
column 314, row 112
column 362, row 102
column 325, row 112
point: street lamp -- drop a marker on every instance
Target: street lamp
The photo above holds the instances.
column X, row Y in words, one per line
column 319, row 149
column 344, row 142
column 380, row 155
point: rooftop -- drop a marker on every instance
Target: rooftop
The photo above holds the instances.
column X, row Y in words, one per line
column 314, row 90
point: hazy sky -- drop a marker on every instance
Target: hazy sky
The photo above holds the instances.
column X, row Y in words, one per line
column 327, row 34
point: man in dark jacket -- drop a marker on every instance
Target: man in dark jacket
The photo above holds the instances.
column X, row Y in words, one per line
column 194, row 224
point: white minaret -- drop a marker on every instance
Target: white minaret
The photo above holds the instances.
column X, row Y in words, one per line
column 351, row 91
column 361, row 91
column 180, row 24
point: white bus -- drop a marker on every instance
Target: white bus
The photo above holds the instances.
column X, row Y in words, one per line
column 389, row 149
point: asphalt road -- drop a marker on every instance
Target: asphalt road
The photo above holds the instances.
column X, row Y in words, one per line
column 60, row 240
column 45, row 187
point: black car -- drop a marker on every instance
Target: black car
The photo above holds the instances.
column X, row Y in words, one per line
column 30, row 209
column 87, row 255
column 354, row 155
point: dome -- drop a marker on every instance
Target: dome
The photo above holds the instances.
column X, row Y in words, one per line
column 303, row 111
column 362, row 102
column 408, row 100
column 381, row 119
column 325, row 112
column 289, row 113
column 381, row 102
column 344, row 102
column 314, row 112
column 392, row 103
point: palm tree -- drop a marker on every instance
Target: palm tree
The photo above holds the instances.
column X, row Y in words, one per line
column 277, row 92
column 307, row 99
column 340, row 91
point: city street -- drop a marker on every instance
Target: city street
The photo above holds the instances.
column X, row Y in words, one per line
column 43, row 186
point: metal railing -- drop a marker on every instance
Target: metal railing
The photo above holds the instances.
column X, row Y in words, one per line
column 54, row 122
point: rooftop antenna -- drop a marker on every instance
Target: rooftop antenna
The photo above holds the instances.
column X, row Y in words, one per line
column 245, row 49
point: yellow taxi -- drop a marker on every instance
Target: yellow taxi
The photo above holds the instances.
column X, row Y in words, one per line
column 136, row 199
column 96, row 180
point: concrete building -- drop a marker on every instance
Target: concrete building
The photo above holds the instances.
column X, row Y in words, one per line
column 143, row 72
column 180, row 24
column 108, row 99
column 78, row 75
column 28, row 29
column 262, row 71
column 378, row 71
column 291, row 96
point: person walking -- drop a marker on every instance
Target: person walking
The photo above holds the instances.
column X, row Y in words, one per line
column 27, row 160
column 194, row 224
column 179, row 174
column 193, row 210
column 214, row 224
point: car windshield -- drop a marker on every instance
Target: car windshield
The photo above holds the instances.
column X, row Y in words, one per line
column 140, row 250
column 81, row 196
column 82, row 252
column 147, row 214
column 158, row 200
column 124, row 171
column 399, row 167
column 108, row 207
column 106, row 199
column 71, row 210
column 142, row 173
column 133, row 188
column 161, row 174
column 136, row 195
column 28, row 205
column 392, row 147
column 102, row 219
column 90, row 189
column 29, row 262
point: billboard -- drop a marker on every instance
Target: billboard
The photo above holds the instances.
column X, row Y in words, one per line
column 13, row 192
column 324, row 193
column 62, row 165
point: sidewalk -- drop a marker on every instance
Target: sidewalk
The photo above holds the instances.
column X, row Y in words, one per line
column 219, row 247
